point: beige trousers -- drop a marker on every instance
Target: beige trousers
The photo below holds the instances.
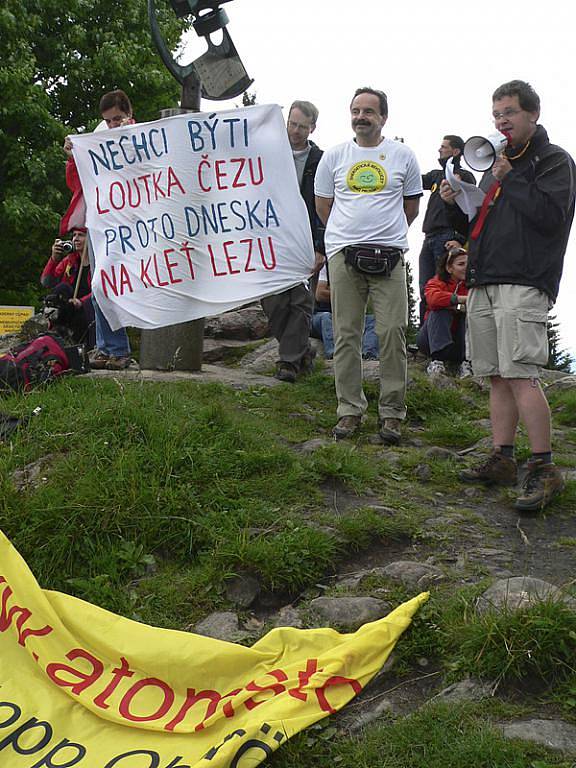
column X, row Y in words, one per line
column 349, row 293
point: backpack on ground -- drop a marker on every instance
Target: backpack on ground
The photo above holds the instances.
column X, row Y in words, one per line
column 40, row 360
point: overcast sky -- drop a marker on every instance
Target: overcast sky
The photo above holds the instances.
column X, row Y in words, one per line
column 438, row 62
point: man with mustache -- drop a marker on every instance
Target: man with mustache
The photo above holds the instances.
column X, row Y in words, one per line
column 367, row 193
column 516, row 251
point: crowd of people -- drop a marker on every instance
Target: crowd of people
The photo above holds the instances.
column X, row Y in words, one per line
column 486, row 282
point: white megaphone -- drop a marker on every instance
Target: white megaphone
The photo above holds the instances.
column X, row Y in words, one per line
column 481, row 152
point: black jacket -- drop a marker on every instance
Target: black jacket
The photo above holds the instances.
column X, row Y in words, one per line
column 525, row 234
column 435, row 218
column 307, row 190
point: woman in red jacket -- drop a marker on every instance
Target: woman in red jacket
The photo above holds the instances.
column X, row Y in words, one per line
column 442, row 335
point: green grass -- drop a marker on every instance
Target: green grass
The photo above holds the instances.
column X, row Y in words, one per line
column 151, row 496
column 425, row 400
column 538, row 642
column 180, row 472
column 365, row 526
column 437, row 736
column 563, row 404
column 453, row 430
column 197, row 477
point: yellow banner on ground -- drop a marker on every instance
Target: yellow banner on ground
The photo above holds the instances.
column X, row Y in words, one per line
column 82, row 686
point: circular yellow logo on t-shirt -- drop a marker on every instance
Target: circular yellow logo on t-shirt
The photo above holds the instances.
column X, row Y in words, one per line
column 366, row 176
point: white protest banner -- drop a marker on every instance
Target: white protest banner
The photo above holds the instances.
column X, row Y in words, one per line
column 192, row 215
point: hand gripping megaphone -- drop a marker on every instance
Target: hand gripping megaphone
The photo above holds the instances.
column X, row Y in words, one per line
column 481, row 152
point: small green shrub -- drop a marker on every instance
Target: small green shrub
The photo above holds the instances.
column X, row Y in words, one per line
column 344, row 464
column 564, row 407
column 425, row 400
column 537, row 641
column 364, row 526
column 452, row 429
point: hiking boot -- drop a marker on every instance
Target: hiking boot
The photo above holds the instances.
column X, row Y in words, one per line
column 285, row 372
column 541, row 484
column 98, row 359
column 307, row 363
column 436, row 368
column 390, row 431
column 346, row 427
column 118, row 363
column 495, row 469
column 465, row 370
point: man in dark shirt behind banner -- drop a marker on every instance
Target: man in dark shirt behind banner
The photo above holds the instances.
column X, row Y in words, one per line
column 290, row 312
column 436, row 227
column 516, row 253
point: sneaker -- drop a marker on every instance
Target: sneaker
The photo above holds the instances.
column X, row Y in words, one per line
column 285, row 372
column 390, row 431
column 541, row 484
column 465, row 370
column 495, row 469
column 346, row 427
column 98, row 359
column 436, row 368
column 307, row 363
column 118, row 363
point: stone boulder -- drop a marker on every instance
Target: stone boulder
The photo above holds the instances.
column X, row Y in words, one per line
column 221, row 625
column 554, row 734
column 245, row 324
column 349, row 612
column 520, row 592
column 412, row 573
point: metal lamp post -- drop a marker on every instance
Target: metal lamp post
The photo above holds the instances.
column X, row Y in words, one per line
column 217, row 74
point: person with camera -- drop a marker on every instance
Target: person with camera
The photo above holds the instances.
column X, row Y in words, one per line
column 67, row 275
column 64, row 262
column 442, row 335
column 367, row 193
column 517, row 243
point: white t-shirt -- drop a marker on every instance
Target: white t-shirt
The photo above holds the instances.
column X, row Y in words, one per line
column 368, row 185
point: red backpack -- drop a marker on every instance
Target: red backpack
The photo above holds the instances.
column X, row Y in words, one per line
column 38, row 361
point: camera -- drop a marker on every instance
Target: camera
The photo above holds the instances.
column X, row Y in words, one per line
column 66, row 245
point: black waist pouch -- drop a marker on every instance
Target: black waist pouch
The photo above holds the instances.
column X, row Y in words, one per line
column 378, row 260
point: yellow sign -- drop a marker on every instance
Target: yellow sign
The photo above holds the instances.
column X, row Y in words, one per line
column 82, row 686
column 13, row 318
column 366, row 176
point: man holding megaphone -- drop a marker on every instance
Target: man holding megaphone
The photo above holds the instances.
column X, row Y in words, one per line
column 517, row 242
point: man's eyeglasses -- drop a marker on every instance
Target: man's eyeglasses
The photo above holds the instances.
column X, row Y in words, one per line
column 506, row 114
column 298, row 126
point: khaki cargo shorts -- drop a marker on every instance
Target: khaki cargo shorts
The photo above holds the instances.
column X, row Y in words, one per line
column 506, row 332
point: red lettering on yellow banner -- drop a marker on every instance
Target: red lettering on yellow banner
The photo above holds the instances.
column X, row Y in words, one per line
column 118, row 674
column 304, row 679
column 192, row 698
column 24, row 614
column 147, row 682
column 82, row 679
column 335, row 680
column 275, row 688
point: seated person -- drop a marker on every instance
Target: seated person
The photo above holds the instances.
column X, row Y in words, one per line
column 321, row 327
column 69, row 315
column 64, row 262
column 442, row 335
